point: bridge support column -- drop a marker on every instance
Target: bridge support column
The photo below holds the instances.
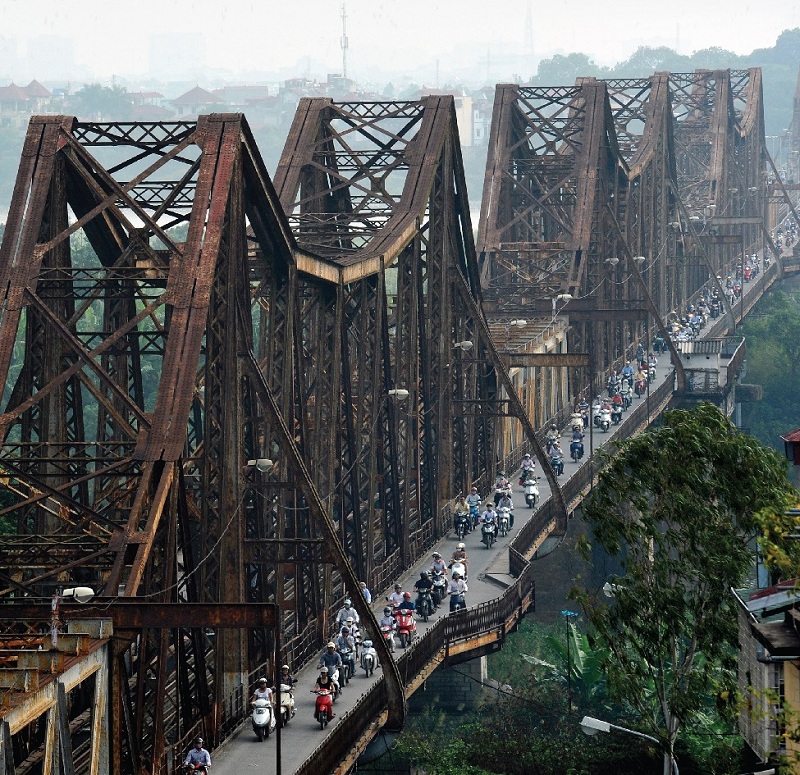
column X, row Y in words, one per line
column 454, row 689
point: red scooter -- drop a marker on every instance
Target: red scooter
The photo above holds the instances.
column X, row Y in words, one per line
column 406, row 626
column 323, row 707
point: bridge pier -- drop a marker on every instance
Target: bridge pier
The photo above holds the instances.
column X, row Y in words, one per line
column 455, row 689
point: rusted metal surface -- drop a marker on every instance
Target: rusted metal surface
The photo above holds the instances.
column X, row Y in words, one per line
column 648, row 167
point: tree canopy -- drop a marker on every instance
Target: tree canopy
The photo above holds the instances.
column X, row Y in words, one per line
column 680, row 506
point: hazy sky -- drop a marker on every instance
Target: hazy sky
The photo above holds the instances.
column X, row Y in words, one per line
column 268, row 35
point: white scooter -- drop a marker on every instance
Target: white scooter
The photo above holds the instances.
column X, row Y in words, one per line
column 531, row 492
column 460, row 568
column 286, row 704
column 504, row 520
column 263, row 718
column 369, row 658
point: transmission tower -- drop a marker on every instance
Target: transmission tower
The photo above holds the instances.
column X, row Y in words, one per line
column 343, row 42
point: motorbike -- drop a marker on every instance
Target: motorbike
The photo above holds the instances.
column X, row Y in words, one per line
column 439, row 586
column 473, row 516
column 604, row 419
column 651, row 373
column 531, row 492
column 616, row 414
column 524, row 474
column 499, row 492
column 424, row 604
column 263, row 718
column 387, row 631
column 626, row 397
column 557, row 464
column 348, row 665
column 462, row 524
column 286, row 704
column 369, row 658
column 576, row 450
column 640, row 388
column 194, row 769
column 406, row 626
column 576, row 421
column 323, row 706
column 503, row 520
column 460, row 568
column 488, row 533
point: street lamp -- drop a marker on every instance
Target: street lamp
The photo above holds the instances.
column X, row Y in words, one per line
column 565, row 297
column 262, row 464
column 78, row 594
column 591, row 726
column 466, row 345
column 516, row 323
column 399, row 394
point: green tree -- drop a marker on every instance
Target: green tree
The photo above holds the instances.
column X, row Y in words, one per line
column 562, row 70
column 677, row 505
column 109, row 103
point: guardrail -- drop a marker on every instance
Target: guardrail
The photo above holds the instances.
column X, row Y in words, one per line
column 499, row 615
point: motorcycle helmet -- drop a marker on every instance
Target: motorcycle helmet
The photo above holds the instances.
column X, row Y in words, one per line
column 324, row 670
column 367, row 644
column 526, row 455
column 436, row 554
column 345, row 631
column 331, row 645
column 350, row 622
column 398, row 587
column 387, row 611
column 406, row 596
column 501, row 473
column 456, row 574
column 347, row 602
column 285, row 667
column 461, row 546
column 424, row 574
column 198, row 741
column 262, row 680
column 474, row 489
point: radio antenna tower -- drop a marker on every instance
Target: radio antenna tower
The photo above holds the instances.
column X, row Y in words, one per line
column 343, row 42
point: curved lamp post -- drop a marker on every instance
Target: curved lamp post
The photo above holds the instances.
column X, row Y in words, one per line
column 591, row 726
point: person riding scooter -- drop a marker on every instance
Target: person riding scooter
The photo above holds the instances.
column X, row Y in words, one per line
column 507, row 503
column 325, row 682
column 332, row 661
column 526, row 468
column 474, row 503
column 576, row 446
column 557, row 459
column 457, row 589
column 198, row 758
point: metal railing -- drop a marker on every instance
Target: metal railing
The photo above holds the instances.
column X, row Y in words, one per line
column 499, row 615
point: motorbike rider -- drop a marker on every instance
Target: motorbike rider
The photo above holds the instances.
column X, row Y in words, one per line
column 438, row 565
column 345, row 613
column 640, row 376
column 424, row 584
column 387, row 620
column 459, row 555
column 262, row 691
column 324, row 681
column 460, row 507
column 489, row 517
column 457, row 589
column 344, row 643
column 576, row 443
column 408, row 604
column 507, row 503
column 500, row 484
column 474, row 503
column 397, row 596
column 526, row 467
column 198, row 757
column 552, row 436
column 627, row 371
column 287, row 679
column 332, row 661
column 612, row 386
column 557, row 459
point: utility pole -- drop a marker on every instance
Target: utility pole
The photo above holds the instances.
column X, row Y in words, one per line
column 343, row 42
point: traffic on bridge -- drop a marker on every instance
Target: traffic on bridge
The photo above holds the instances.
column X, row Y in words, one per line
column 230, row 398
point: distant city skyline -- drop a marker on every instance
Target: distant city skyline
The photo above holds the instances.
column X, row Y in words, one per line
column 428, row 41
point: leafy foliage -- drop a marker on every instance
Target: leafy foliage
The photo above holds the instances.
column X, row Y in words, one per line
column 774, row 326
column 679, row 505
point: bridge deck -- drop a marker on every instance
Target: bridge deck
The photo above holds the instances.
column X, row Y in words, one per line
column 490, row 573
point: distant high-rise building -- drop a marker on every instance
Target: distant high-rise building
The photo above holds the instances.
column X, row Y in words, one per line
column 176, row 56
column 52, row 57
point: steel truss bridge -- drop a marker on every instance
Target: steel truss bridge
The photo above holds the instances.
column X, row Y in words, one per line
column 230, row 397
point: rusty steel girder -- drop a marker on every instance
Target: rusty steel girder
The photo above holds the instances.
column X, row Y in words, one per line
column 152, row 346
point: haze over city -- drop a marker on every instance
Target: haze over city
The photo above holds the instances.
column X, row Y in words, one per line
column 428, row 41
